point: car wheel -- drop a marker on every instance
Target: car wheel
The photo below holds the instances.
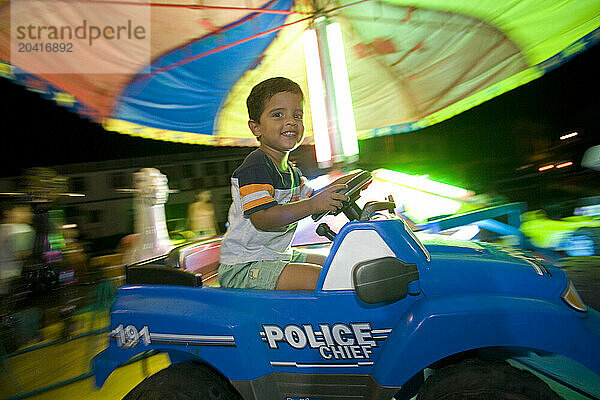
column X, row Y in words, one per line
column 478, row 379
column 187, row 381
column 583, row 242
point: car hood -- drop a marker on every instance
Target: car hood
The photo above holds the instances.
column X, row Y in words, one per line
column 458, row 266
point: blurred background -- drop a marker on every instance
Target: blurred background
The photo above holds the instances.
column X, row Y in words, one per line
column 495, row 148
column 68, row 192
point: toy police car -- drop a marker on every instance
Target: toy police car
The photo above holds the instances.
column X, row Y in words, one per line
column 387, row 308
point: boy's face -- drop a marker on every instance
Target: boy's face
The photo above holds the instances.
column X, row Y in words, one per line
column 280, row 128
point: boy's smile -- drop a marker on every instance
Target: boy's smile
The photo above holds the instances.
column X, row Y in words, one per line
column 280, row 129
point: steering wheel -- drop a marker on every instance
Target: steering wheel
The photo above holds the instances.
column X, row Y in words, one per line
column 350, row 208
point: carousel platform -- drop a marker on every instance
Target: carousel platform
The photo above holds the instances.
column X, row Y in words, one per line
column 55, row 362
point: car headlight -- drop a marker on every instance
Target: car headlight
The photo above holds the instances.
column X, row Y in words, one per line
column 572, row 298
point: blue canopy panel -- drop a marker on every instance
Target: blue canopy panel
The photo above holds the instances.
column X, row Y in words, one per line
column 185, row 88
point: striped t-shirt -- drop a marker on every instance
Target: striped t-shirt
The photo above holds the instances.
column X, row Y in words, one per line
column 257, row 185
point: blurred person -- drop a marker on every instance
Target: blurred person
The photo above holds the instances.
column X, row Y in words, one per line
column 20, row 217
column 201, row 216
column 16, row 242
column 73, row 251
column 270, row 195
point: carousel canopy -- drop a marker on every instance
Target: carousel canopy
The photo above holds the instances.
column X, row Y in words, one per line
column 181, row 70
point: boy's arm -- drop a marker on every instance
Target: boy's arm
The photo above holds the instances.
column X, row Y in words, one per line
column 284, row 214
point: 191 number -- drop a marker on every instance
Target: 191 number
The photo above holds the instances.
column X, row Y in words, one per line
column 129, row 336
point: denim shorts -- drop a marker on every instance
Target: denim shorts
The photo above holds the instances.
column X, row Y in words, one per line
column 256, row 274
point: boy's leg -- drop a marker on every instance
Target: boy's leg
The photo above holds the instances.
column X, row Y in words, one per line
column 317, row 259
column 298, row 276
column 301, row 257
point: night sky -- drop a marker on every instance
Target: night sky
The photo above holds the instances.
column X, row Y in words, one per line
column 39, row 133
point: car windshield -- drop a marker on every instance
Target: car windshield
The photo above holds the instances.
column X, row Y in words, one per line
column 421, row 246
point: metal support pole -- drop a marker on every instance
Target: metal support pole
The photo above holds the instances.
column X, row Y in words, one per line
column 337, row 152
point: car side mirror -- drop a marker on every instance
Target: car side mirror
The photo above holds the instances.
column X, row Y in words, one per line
column 383, row 279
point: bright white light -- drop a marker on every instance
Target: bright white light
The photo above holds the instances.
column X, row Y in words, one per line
column 418, row 205
column 343, row 100
column 319, row 182
column 421, row 183
column 466, row 232
column 317, row 97
column 570, row 135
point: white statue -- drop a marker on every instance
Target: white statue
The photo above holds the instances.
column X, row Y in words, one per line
column 591, row 158
column 152, row 238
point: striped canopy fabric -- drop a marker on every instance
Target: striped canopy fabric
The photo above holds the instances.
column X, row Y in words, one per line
column 411, row 64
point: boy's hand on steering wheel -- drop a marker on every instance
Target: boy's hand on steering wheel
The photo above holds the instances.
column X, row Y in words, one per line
column 328, row 199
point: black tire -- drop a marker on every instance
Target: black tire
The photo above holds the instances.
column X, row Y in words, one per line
column 484, row 380
column 185, row 381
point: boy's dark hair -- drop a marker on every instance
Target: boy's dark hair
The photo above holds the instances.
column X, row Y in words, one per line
column 266, row 89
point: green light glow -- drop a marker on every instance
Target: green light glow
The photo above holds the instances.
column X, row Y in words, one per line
column 421, row 183
column 343, row 101
column 419, row 205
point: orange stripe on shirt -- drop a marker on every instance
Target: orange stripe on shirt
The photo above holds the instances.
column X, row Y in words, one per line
column 253, row 188
column 258, row 202
column 305, row 189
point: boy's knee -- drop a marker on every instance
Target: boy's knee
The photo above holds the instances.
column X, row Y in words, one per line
column 316, row 259
column 299, row 277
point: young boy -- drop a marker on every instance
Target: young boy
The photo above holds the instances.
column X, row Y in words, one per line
column 270, row 196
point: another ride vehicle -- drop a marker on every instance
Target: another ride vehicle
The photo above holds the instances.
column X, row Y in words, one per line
column 388, row 311
column 576, row 235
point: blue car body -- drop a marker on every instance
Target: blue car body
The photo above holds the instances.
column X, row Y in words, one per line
column 468, row 296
